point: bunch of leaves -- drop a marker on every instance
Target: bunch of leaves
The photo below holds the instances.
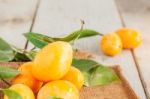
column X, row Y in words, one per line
column 40, row 40
column 11, row 53
column 7, row 73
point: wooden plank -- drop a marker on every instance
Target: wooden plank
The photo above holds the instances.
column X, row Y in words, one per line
column 60, row 17
column 136, row 14
column 16, row 18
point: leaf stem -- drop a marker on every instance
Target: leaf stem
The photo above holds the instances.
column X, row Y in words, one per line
column 100, row 34
column 6, row 82
column 33, row 48
column 82, row 26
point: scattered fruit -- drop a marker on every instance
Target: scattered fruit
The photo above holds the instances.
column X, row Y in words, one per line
column 25, row 77
column 75, row 76
column 60, row 89
column 24, row 91
column 53, row 61
column 130, row 38
column 111, row 44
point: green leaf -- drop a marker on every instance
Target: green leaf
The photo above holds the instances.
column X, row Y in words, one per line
column 53, row 97
column 40, row 40
column 11, row 94
column 7, row 72
column 84, row 64
column 31, row 54
column 6, row 52
column 36, row 39
column 80, row 34
column 94, row 73
column 21, row 57
column 101, row 75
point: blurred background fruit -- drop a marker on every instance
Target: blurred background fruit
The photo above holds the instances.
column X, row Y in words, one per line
column 111, row 44
column 130, row 38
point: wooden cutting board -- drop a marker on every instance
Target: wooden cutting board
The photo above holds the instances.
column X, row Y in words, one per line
column 115, row 90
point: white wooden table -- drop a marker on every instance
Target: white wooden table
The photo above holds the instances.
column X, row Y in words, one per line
column 59, row 17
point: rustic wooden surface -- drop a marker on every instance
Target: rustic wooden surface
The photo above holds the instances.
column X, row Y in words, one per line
column 16, row 18
column 60, row 17
column 136, row 14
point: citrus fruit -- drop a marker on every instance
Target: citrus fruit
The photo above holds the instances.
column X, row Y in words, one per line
column 130, row 38
column 53, row 61
column 60, row 89
column 24, row 91
column 75, row 76
column 25, row 77
column 111, row 44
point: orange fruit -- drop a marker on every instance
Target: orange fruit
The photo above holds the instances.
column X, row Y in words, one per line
column 111, row 44
column 53, row 61
column 130, row 38
column 75, row 76
column 24, row 91
column 25, row 77
column 60, row 89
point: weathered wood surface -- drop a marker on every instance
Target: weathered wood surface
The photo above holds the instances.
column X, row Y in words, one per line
column 136, row 14
column 60, row 17
column 15, row 19
column 57, row 18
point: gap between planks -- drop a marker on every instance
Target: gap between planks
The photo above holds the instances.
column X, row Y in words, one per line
column 133, row 55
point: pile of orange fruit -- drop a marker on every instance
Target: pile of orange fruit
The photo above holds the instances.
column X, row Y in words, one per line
column 50, row 75
column 113, row 43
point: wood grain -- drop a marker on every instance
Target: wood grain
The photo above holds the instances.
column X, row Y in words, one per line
column 15, row 19
column 60, row 17
column 136, row 14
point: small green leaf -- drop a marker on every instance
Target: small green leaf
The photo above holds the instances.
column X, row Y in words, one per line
column 6, row 52
column 101, row 75
column 11, row 94
column 53, row 97
column 21, row 57
column 7, row 72
column 81, row 33
column 39, row 40
column 84, row 64
column 94, row 73
column 31, row 54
